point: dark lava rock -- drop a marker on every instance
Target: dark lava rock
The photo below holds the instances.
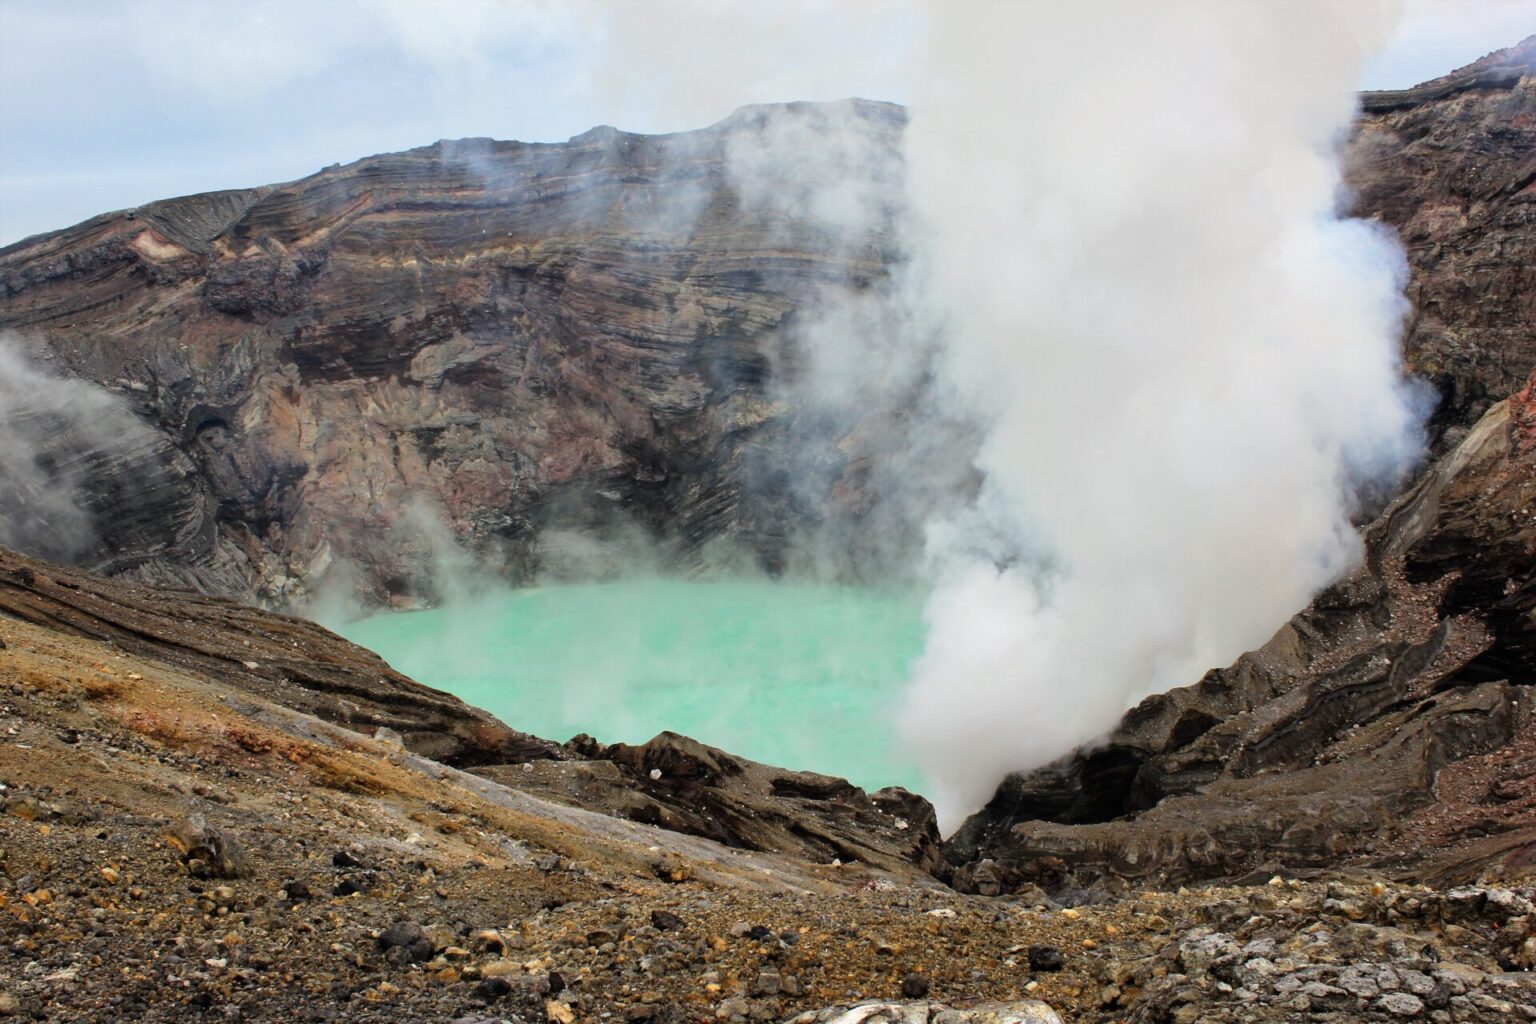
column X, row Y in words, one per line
column 347, row 887
column 1046, row 958
column 666, row 921
column 345, row 859
column 914, row 986
column 492, row 989
column 716, row 795
column 297, row 890
column 408, row 936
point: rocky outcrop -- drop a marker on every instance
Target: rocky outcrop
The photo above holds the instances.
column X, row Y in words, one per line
column 533, row 340
column 1388, row 724
column 286, row 660
column 1451, row 165
column 682, row 785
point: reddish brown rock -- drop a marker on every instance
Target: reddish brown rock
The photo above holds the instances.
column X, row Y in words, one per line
column 1449, row 165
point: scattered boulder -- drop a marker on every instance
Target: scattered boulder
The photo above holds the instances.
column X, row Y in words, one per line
column 408, row 936
column 1046, row 959
column 666, row 921
column 207, row 851
column 1028, row 1011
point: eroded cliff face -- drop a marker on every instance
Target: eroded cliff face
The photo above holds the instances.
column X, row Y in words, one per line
column 532, row 338
column 592, row 338
column 1451, row 165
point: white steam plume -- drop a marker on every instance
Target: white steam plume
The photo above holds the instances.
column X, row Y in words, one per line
column 1122, row 229
column 1188, row 362
column 56, row 435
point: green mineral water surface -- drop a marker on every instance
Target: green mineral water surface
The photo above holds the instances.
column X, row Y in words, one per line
column 800, row 675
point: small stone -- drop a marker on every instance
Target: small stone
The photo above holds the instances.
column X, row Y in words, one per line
column 500, row 969
column 207, row 851
column 347, row 887
column 408, row 936
column 672, row 868
column 914, row 986
column 730, row 1009
column 492, row 989
column 559, row 1012
column 345, row 859
column 1401, row 1004
column 666, row 921
column 25, row 808
column 9, row 1004
column 985, row 879
column 1046, row 958
column 111, row 874
column 767, row 984
column 296, row 890
column 489, row 940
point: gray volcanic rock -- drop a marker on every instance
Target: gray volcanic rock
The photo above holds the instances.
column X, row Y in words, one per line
column 1388, row 724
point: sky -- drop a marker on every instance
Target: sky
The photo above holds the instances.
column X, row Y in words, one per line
column 111, row 104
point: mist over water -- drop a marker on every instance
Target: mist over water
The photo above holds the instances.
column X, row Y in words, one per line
column 792, row 674
column 1128, row 368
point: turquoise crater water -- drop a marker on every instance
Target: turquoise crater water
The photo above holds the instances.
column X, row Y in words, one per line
column 794, row 674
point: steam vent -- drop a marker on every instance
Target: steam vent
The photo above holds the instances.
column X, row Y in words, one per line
column 1027, row 547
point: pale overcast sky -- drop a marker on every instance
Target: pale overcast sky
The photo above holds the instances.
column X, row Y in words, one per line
column 112, row 103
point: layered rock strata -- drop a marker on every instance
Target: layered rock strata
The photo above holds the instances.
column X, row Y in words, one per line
column 597, row 338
